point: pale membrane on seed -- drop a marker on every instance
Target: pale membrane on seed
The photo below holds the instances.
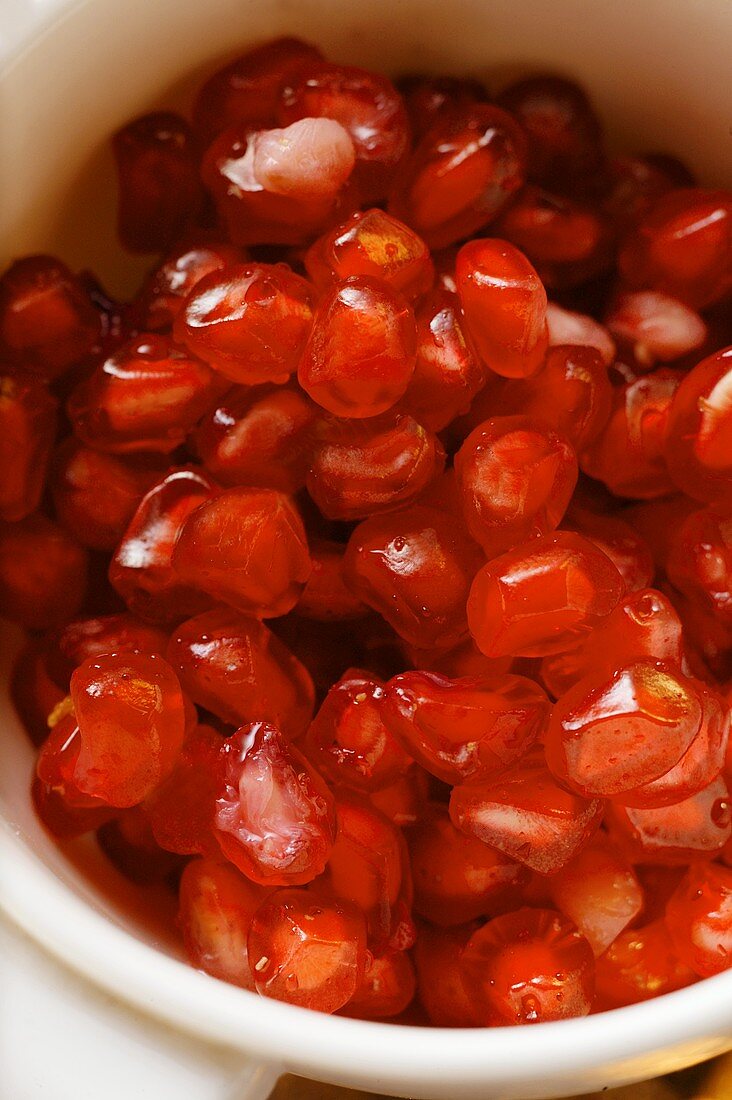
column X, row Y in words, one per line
column 314, row 156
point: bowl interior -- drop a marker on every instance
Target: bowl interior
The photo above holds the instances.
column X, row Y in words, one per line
column 656, row 69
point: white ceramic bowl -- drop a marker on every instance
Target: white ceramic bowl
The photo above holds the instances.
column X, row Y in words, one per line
column 657, row 70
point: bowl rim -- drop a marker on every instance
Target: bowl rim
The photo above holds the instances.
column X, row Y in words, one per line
column 274, row 1032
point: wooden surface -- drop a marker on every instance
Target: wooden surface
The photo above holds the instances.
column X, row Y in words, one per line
column 712, row 1081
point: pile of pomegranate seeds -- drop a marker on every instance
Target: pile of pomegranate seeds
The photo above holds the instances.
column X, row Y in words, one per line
column 377, row 556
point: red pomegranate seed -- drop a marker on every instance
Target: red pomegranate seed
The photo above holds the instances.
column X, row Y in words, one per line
column 280, row 186
column 444, row 994
column 274, row 817
column 146, row 397
column 447, row 372
column 543, row 597
column 428, row 98
column 376, row 465
column 644, row 625
column 529, row 967
column 465, row 730
column 27, row 430
column 504, row 303
column 516, row 479
column 48, row 322
column 234, row 666
column 159, row 189
column 387, row 988
column 247, row 548
column 369, row 867
column 414, row 567
column 248, row 88
column 564, row 134
column 653, row 327
column 348, row 740
column 374, row 245
column 129, row 708
column 628, row 455
column 461, row 174
column 258, row 437
column 141, row 568
column 361, row 352
column 568, row 243
column 85, row 638
column 249, row 322
column 571, row 395
column 682, row 247
column 43, row 573
column 698, row 452
column 700, row 559
column 699, row 919
column 694, row 828
column 526, row 815
column 326, row 596
column 628, row 552
column 95, row 495
column 640, row 964
column 216, row 908
column 456, row 877
column 599, row 892
column 180, row 811
column 306, row 950
column 166, row 288
column 610, row 735
column 370, row 109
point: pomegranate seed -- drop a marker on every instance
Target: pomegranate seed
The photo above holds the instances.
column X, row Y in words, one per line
column 504, row 303
column 248, row 88
column 516, row 479
column 261, row 438
column 27, row 430
column 43, row 573
column 465, row 730
column 159, row 189
column 414, row 567
column 306, row 950
column 529, row 967
column 234, row 666
column 141, row 569
column 367, row 106
column 461, row 174
column 682, row 247
column 216, row 909
column 564, row 134
column 372, row 244
column 376, row 465
column 361, row 352
column 456, row 877
column 274, row 815
column 131, row 723
column 249, row 322
column 526, row 815
column 543, row 597
column 348, row 740
column 699, row 919
column 640, row 964
column 247, row 548
column 47, row 321
column 599, row 892
column 698, row 453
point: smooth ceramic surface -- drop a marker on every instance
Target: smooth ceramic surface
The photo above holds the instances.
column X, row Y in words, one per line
column 657, row 70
